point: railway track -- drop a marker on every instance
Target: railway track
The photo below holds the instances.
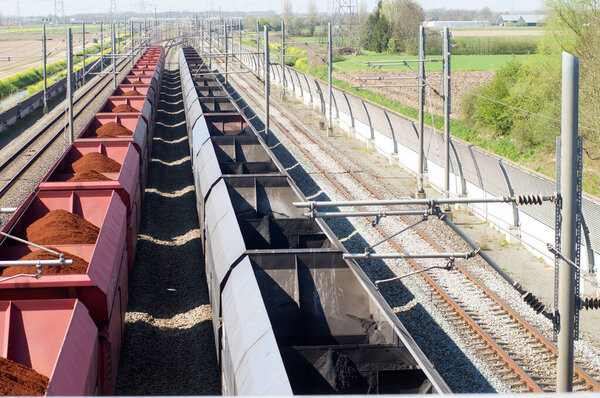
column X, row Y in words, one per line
column 15, row 167
column 518, row 352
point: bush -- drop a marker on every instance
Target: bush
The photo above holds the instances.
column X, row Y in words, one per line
column 519, row 103
column 394, row 46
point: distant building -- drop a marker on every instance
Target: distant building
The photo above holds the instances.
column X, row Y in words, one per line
column 520, row 19
column 456, row 24
column 532, row 20
column 508, row 19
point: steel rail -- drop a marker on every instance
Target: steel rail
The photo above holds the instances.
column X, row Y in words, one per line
column 52, row 123
column 534, row 332
column 526, row 379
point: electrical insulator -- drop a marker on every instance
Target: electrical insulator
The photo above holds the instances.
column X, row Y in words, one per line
column 528, row 200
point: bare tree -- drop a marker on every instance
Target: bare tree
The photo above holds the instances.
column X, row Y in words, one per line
column 404, row 17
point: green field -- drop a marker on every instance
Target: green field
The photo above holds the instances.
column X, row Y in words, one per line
column 320, row 39
column 459, row 62
column 495, row 28
column 62, row 29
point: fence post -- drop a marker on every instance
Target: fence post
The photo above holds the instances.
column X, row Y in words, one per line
column 568, row 189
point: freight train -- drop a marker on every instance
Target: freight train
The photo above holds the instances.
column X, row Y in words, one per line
column 60, row 333
column 290, row 314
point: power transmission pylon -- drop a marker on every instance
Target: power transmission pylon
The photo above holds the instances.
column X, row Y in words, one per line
column 59, row 10
column 344, row 22
column 142, row 7
column 18, row 13
column 113, row 8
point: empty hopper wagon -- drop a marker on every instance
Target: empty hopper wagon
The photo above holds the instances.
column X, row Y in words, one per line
column 290, row 314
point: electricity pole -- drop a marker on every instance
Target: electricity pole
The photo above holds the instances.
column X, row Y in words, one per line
column 83, row 45
column 101, row 46
column 114, row 55
column 70, row 84
column 283, row 56
column 568, row 188
column 267, row 86
column 329, row 70
column 446, row 56
column 422, row 77
column 45, row 73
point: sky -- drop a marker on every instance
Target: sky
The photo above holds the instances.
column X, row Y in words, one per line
column 45, row 7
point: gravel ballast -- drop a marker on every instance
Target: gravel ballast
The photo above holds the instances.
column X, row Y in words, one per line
column 445, row 342
column 168, row 344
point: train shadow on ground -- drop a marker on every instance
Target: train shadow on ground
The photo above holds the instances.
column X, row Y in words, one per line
column 440, row 348
column 168, row 342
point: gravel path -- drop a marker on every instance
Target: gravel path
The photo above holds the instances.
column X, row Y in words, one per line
column 168, row 345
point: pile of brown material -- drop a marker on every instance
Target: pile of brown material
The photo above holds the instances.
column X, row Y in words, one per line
column 131, row 93
column 88, row 176
column 124, row 108
column 97, row 162
column 60, row 227
column 16, row 379
column 113, row 129
column 79, row 265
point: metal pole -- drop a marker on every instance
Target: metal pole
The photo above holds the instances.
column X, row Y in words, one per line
column 114, row 55
column 267, row 85
column 421, row 168
column 226, row 52
column 202, row 36
column 45, row 73
column 70, row 84
column 240, row 47
column 83, row 45
column 568, row 189
column 132, row 44
column 329, row 69
column 283, row 56
column 101, row 46
column 210, row 43
column 258, row 42
column 447, row 112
